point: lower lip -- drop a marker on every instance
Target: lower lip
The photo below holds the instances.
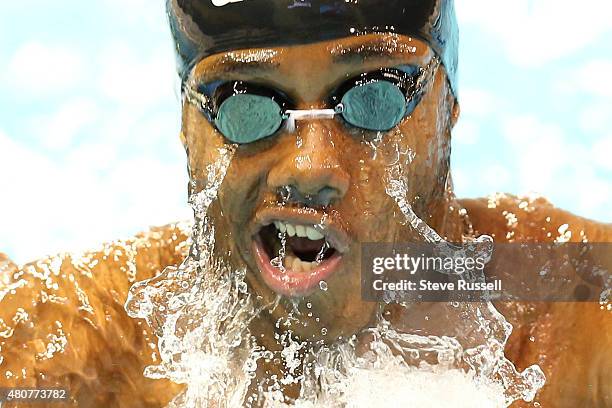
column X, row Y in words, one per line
column 289, row 283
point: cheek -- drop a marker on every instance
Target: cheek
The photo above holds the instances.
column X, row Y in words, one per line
column 368, row 212
column 372, row 210
column 414, row 155
column 203, row 144
column 425, row 136
column 242, row 189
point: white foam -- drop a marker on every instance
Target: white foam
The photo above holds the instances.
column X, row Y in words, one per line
column 406, row 387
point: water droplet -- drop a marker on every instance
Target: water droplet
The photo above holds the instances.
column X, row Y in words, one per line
column 242, row 287
column 250, row 365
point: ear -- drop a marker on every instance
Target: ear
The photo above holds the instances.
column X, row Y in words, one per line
column 455, row 112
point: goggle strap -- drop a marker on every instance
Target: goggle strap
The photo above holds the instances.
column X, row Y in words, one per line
column 425, row 76
column 196, row 98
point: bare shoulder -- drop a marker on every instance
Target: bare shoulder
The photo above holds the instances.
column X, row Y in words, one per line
column 62, row 321
column 570, row 341
column 531, row 218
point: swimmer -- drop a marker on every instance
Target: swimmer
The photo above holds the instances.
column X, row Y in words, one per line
column 316, row 97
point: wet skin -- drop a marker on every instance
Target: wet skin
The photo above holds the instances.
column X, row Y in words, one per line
column 106, row 351
column 326, row 157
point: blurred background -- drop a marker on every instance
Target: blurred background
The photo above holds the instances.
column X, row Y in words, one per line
column 89, row 115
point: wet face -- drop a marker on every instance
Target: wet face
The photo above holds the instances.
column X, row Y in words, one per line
column 316, row 193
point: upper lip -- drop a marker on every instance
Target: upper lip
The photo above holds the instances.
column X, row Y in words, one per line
column 329, row 226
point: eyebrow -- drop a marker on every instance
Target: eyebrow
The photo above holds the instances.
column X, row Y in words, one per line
column 262, row 61
column 373, row 49
column 242, row 61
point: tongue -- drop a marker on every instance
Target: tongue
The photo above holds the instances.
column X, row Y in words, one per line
column 298, row 244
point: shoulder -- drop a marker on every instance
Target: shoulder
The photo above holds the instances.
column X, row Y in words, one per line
column 510, row 218
column 62, row 320
column 78, row 279
column 109, row 269
column 560, row 334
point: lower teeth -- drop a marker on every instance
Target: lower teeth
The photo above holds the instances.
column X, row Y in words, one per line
column 295, row 264
column 287, row 260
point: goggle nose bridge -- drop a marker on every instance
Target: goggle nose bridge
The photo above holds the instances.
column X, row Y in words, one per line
column 293, row 115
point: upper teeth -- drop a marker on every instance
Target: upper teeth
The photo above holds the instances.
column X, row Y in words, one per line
column 304, row 231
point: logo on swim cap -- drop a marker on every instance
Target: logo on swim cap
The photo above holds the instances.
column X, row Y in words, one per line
column 220, row 3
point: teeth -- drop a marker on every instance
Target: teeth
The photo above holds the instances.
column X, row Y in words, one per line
column 313, row 234
column 290, row 230
column 280, row 226
column 303, row 231
column 296, row 265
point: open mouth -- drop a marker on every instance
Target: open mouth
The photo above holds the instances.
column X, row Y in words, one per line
column 295, row 257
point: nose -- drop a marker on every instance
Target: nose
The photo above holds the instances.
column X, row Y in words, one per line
column 310, row 172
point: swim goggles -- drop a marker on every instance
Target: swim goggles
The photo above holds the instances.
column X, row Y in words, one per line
column 375, row 101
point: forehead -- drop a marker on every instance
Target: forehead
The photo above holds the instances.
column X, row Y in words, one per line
column 360, row 53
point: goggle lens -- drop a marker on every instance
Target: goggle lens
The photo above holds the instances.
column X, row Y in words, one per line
column 378, row 105
column 246, row 118
column 376, row 101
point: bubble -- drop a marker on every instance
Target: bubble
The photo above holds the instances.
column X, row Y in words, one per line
column 250, row 365
column 323, row 286
column 242, row 287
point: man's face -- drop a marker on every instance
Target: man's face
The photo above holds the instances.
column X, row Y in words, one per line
column 325, row 177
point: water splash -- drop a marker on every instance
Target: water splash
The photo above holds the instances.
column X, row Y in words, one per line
column 396, row 187
column 379, row 377
column 475, row 334
column 202, row 309
column 200, row 312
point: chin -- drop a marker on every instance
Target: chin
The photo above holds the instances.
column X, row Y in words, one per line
column 320, row 315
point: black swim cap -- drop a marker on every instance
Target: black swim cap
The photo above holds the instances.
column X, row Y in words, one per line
column 204, row 27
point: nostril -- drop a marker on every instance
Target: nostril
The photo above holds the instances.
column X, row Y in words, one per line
column 326, row 195
column 322, row 198
column 286, row 193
